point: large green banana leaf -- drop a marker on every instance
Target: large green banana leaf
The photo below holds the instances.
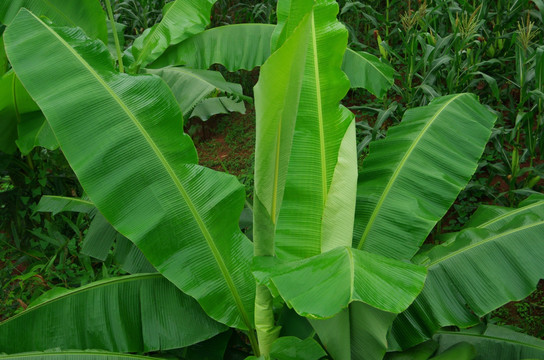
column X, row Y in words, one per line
column 366, row 71
column 411, row 178
column 246, row 46
column 475, row 272
column 320, row 183
column 494, row 342
column 341, row 276
column 238, row 46
column 136, row 313
column 76, row 355
column 180, row 21
column 86, row 14
column 137, row 166
column 192, row 86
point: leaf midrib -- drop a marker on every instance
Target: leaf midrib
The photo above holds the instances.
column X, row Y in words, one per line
column 403, row 161
column 170, row 171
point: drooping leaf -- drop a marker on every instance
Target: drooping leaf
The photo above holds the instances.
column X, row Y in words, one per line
column 3, row 57
column 99, row 238
column 320, row 184
column 473, row 273
column 34, row 130
column 238, row 46
column 57, row 204
column 211, row 349
column 14, row 102
column 155, row 193
column 411, row 178
column 494, row 342
column 136, row 313
column 246, row 46
column 180, row 21
column 217, row 105
column 130, row 258
column 76, row 355
column 191, row 87
column 86, row 14
column 366, row 71
column 345, row 275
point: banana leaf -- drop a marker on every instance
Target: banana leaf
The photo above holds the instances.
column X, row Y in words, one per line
column 412, row 177
column 180, row 21
column 15, row 102
column 494, row 342
column 57, row 204
column 136, row 313
column 217, row 105
column 340, row 277
column 137, row 166
column 3, row 57
column 238, row 46
column 192, row 86
column 246, row 46
column 76, row 355
column 321, row 176
column 86, row 14
column 473, row 273
column 33, row 130
column 277, row 95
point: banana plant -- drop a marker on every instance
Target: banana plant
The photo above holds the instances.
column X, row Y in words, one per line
column 335, row 252
column 161, row 50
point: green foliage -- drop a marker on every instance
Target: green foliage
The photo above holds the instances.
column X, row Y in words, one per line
column 151, row 207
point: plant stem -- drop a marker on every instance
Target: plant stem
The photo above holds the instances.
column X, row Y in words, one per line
column 115, row 37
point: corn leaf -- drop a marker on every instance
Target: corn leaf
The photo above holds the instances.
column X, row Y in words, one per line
column 366, row 71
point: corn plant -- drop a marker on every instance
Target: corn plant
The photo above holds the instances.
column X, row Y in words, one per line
column 335, row 251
